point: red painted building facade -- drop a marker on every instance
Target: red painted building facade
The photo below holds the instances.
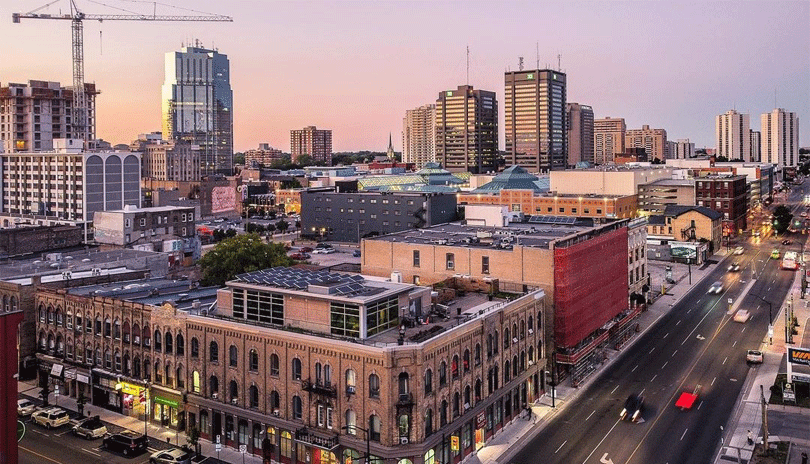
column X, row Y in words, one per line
column 9, row 322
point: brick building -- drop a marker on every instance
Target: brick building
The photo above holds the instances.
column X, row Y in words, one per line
column 727, row 195
column 36, row 239
column 10, row 318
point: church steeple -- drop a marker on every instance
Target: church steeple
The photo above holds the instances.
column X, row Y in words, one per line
column 390, row 147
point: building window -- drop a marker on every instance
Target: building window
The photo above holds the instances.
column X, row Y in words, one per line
column 213, row 352
column 253, row 361
column 450, row 261
column 485, row 265
column 344, row 319
column 297, row 408
column 195, row 348
column 373, row 386
column 382, row 315
column 428, row 382
column 442, row 374
column 233, row 356
column 143, row 222
column 415, row 258
column 296, row 369
column 274, row 365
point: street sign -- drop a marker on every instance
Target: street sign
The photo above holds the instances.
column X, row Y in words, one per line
column 243, row 449
column 56, row 390
column 218, row 444
column 770, row 330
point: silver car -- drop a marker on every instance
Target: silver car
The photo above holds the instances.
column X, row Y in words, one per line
column 171, row 456
column 25, row 407
column 716, row 288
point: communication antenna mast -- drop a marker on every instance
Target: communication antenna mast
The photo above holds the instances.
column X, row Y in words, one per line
column 468, row 65
column 559, row 62
column 520, row 63
column 537, row 53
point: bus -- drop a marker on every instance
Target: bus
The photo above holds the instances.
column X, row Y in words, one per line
column 790, row 261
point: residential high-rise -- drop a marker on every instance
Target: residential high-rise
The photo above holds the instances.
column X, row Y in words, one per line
column 535, row 121
column 579, row 123
column 264, row 155
column 198, row 105
column 684, row 149
column 780, row 138
column 313, row 142
column 467, row 130
column 419, row 136
column 608, row 139
column 654, row 141
column 732, row 130
column 756, row 146
column 33, row 114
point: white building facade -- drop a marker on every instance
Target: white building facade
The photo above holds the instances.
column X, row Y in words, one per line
column 733, row 135
column 780, row 138
column 419, row 136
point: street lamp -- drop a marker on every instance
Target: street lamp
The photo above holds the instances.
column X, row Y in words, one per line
column 368, row 439
column 146, row 411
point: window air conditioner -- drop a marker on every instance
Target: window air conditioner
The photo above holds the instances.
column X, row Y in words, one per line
column 275, row 412
column 234, row 400
column 514, row 340
column 403, row 440
column 215, row 395
column 531, row 331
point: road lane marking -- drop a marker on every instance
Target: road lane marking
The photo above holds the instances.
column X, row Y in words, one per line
column 684, row 434
column 743, row 330
column 651, row 380
column 66, row 431
column 734, row 344
column 602, row 440
column 678, row 323
column 563, row 444
column 40, row 455
column 91, row 452
column 713, row 380
column 673, row 353
column 614, row 389
column 641, row 392
column 700, row 404
column 652, row 350
column 724, row 361
column 667, row 335
column 37, row 431
column 665, row 365
column 634, row 369
column 589, row 416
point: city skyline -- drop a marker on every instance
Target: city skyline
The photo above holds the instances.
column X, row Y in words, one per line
column 369, row 63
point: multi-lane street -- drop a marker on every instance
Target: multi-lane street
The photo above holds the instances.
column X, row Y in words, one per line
column 696, row 346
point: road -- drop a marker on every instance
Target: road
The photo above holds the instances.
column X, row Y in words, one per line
column 695, row 344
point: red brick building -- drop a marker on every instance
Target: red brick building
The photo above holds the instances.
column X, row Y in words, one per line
column 727, row 195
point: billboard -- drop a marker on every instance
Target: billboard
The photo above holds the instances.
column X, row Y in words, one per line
column 680, row 250
column 223, row 198
column 799, row 356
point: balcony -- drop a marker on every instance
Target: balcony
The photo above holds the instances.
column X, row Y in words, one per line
column 320, row 389
column 303, row 435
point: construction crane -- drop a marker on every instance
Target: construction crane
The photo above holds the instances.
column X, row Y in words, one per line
column 80, row 110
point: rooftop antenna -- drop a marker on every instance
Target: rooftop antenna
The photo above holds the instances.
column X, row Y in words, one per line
column 559, row 62
column 537, row 53
column 468, row 65
column 520, row 63
column 774, row 97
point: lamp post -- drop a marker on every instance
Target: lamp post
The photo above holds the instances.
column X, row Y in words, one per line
column 146, row 411
column 368, row 439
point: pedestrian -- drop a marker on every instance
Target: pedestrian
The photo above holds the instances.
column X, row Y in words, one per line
column 750, row 438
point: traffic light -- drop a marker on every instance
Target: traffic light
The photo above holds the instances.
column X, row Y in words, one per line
column 43, row 394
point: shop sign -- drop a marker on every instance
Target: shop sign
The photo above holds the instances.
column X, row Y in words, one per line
column 481, row 420
column 165, row 402
column 81, row 378
column 70, row 375
column 128, row 388
column 795, row 355
column 454, row 442
column 56, row 370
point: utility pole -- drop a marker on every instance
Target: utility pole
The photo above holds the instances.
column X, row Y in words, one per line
column 764, row 419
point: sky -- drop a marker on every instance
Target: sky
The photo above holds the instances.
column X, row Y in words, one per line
column 356, row 66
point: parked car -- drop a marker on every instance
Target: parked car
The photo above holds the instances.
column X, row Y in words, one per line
column 25, row 407
column 356, row 253
column 754, row 356
column 323, row 251
column 306, row 249
column 50, row 418
column 170, row 456
column 299, row 256
column 632, row 408
column 127, row 443
column 90, row 428
column 716, row 288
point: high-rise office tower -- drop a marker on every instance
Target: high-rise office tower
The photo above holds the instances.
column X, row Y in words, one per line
column 33, row 115
column 419, row 136
column 579, row 122
column 756, row 148
column 536, row 137
column 198, row 105
column 608, row 139
column 313, row 142
column 654, row 141
column 732, row 130
column 780, row 138
column 467, row 130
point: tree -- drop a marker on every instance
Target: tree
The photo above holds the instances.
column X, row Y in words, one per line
column 193, row 438
column 239, row 158
column 238, row 255
column 781, row 218
column 304, row 160
column 282, row 226
column 270, row 228
column 290, row 184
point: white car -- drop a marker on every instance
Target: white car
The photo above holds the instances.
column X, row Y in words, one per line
column 323, row 251
column 739, row 250
column 716, row 288
column 171, row 456
column 742, row 316
column 51, row 418
column 754, row 356
column 25, row 407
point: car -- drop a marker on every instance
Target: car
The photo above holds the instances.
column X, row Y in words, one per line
column 323, row 251
column 716, row 288
column 739, row 250
column 306, row 249
column 803, row 214
column 742, row 316
column 219, row 220
column 787, row 242
column 25, row 407
column 90, row 428
column 50, row 418
column 299, row 256
column 329, row 251
column 127, row 442
column 632, row 408
column 754, row 356
column 356, row 253
column 322, row 246
column 170, row 456
column 756, row 233
column 775, row 254
column 733, row 267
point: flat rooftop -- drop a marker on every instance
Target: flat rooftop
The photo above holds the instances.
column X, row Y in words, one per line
column 181, row 293
column 536, row 231
column 55, row 263
column 674, row 182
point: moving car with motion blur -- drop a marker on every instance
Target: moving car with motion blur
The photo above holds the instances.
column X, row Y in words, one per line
column 632, row 408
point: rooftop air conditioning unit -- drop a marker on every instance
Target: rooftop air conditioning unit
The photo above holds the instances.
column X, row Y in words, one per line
column 403, row 440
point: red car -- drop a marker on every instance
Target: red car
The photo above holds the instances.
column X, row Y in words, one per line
column 306, row 249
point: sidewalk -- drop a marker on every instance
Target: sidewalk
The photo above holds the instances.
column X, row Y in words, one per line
column 514, row 435
column 159, row 437
column 748, row 414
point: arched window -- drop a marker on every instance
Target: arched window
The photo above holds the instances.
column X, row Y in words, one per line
column 117, row 360
column 467, row 397
column 454, row 367
column 297, row 408
column 158, row 340
column 254, row 396
column 60, row 345
column 195, row 382
column 506, row 338
column 404, row 424
column 233, row 391
column 126, row 332
column 233, row 356
column 107, row 327
column 180, row 375
column 275, row 401
column 296, row 369
column 351, row 381
column 318, row 374
column 59, row 320
column 429, row 423
column 489, row 345
column 168, row 345
column 107, row 359
column 443, row 414
column 428, row 382
column 213, row 352
column 136, row 334
column 403, row 383
column 181, row 344
column 531, row 354
column 117, row 329
column 495, row 343
column 477, row 354
column 127, row 364
column 530, row 324
column 522, row 330
column 477, row 390
column 42, row 314
column 327, row 375
column 514, row 366
column 147, row 336
column 539, row 323
column 136, row 367
column 466, row 360
column 351, row 422
column 506, row 371
column 213, row 386
column 456, row 404
column 195, row 348
column 373, row 386
column 442, row 374
column 98, row 326
column 147, row 368
column 13, row 303
column 522, row 361
column 50, row 314
column 274, row 365
column 374, row 427
column 253, row 360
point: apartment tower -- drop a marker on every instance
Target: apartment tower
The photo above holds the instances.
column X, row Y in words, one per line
column 579, row 122
column 756, row 146
column 780, row 138
column 33, row 114
column 535, row 119
column 198, row 105
column 733, row 135
column 313, row 142
column 419, row 136
column 467, row 130
column 654, row 141
column 608, row 139
column 684, row 149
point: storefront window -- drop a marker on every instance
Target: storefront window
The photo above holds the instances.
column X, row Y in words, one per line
column 286, row 444
column 229, row 432
column 466, row 437
column 243, row 432
column 302, row 455
column 326, row 457
column 350, row 456
column 430, row 456
column 204, row 425
column 257, row 436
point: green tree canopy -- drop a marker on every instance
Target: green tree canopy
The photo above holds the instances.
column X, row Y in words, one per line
column 781, row 218
column 240, row 254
